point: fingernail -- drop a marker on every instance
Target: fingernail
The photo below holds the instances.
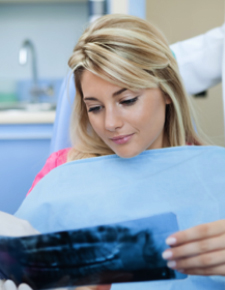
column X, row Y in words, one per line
column 167, row 254
column 171, row 241
column 171, row 264
column 24, row 286
column 9, row 285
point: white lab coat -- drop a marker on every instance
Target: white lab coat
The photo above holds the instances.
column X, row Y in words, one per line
column 201, row 61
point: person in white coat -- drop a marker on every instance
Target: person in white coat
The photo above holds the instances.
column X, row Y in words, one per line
column 201, row 60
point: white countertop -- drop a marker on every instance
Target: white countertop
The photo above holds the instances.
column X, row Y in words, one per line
column 27, row 117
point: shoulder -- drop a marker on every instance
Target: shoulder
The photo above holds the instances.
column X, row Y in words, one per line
column 58, row 158
column 54, row 160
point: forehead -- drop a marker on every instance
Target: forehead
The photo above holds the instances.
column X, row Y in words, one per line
column 93, row 84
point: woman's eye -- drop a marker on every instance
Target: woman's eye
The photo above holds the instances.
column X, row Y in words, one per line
column 94, row 109
column 130, row 101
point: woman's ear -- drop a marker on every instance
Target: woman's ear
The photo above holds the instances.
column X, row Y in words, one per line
column 167, row 99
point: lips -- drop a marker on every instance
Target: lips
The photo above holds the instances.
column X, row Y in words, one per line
column 122, row 139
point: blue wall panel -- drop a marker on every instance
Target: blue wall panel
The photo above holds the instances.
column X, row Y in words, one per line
column 23, row 152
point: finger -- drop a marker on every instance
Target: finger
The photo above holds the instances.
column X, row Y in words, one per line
column 199, row 261
column 1, row 284
column 216, row 270
column 96, row 287
column 24, row 286
column 9, row 285
column 197, row 233
column 103, row 287
column 195, row 248
column 86, row 288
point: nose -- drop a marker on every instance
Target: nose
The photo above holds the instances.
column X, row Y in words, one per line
column 113, row 120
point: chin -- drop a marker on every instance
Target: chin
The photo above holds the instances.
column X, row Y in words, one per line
column 127, row 155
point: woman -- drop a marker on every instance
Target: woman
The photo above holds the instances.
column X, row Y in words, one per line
column 130, row 99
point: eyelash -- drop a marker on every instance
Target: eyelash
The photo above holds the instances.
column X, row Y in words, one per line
column 129, row 102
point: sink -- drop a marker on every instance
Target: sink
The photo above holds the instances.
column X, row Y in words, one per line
column 33, row 107
column 21, row 96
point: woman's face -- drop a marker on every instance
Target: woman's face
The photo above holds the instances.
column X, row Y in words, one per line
column 128, row 122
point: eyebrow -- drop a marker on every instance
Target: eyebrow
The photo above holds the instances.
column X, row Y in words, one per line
column 114, row 95
column 119, row 92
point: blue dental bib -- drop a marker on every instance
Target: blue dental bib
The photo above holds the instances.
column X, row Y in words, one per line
column 188, row 181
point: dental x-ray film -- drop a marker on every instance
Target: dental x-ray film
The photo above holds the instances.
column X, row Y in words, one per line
column 122, row 252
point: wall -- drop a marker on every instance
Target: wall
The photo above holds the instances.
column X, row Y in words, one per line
column 53, row 28
column 180, row 20
column 132, row 7
column 24, row 149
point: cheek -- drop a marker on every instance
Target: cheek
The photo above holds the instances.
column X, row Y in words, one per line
column 150, row 115
column 96, row 123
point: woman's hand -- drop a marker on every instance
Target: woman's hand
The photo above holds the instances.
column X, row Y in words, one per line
column 15, row 227
column 199, row 250
column 10, row 285
column 97, row 287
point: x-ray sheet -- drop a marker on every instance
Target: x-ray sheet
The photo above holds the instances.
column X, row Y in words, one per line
column 122, row 252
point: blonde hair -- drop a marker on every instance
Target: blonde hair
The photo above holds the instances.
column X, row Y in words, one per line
column 131, row 53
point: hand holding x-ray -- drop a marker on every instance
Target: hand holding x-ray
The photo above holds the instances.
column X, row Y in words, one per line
column 10, row 285
column 199, row 250
column 12, row 226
